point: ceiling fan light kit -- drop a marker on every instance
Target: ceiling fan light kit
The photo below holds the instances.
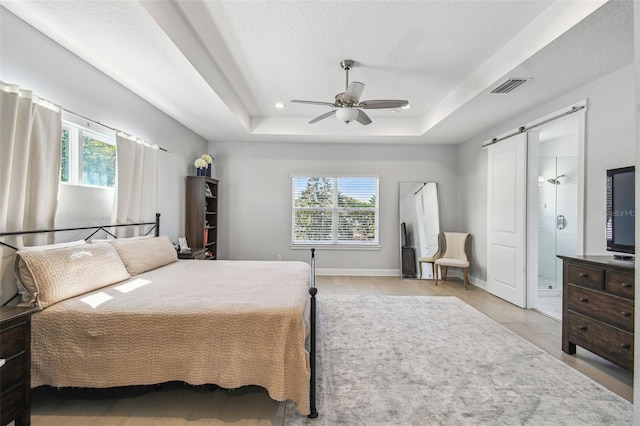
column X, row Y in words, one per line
column 346, row 114
column 348, row 104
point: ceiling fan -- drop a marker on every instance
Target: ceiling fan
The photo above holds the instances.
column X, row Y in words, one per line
column 348, row 103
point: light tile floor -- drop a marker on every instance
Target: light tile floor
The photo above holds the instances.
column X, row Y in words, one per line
column 549, row 298
column 550, row 305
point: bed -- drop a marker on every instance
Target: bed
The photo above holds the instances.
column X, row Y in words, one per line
column 128, row 312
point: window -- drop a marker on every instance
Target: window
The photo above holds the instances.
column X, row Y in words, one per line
column 88, row 156
column 335, row 210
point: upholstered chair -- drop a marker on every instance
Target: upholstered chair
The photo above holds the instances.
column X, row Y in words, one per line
column 431, row 259
column 455, row 255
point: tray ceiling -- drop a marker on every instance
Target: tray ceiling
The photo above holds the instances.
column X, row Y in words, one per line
column 218, row 67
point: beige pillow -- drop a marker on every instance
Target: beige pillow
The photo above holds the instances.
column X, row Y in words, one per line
column 26, row 287
column 146, row 254
column 54, row 246
column 63, row 273
column 110, row 240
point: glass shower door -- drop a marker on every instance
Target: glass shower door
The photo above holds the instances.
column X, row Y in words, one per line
column 548, row 211
column 557, row 233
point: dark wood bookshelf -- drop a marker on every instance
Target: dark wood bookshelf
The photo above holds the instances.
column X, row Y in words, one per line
column 202, row 214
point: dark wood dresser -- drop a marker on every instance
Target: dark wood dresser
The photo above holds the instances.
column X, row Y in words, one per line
column 15, row 372
column 598, row 307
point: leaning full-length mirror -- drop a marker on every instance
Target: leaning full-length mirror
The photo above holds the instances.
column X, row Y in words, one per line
column 419, row 227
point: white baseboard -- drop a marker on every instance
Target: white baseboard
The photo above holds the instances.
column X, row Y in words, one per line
column 390, row 273
column 359, row 272
column 478, row 282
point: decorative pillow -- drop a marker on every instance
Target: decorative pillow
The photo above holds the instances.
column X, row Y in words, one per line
column 26, row 287
column 60, row 274
column 109, row 240
column 54, row 246
column 146, row 254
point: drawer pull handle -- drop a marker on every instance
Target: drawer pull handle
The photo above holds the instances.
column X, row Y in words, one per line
column 626, row 313
column 583, row 299
column 583, row 275
column 582, row 327
column 626, row 285
column 625, row 345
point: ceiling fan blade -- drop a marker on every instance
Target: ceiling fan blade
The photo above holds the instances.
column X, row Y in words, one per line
column 380, row 104
column 363, row 118
column 313, row 103
column 353, row 92
column 323, row 116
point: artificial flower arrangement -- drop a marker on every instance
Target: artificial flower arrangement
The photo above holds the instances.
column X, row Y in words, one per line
column 202, row 164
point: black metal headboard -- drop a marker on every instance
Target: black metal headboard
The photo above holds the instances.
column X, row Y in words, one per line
column 153, row 227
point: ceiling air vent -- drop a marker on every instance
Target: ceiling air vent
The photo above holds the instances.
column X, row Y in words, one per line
column 510, row 85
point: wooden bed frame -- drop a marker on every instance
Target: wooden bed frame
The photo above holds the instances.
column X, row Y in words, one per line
column 155, row 228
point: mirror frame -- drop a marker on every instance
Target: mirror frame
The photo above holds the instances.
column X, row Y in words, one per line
column 419, row 227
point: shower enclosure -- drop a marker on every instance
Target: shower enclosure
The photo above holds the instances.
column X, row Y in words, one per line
column 558, row 218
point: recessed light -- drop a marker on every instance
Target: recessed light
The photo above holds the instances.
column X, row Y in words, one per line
column 279, row 105
column 393, row 111
column 407, row 106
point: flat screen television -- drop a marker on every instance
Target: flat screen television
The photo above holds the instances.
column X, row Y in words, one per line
column 621, row 212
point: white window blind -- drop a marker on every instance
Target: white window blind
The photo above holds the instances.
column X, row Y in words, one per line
column 335, row 210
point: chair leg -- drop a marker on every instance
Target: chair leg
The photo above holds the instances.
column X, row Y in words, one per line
column 420, row 270
column 446, row 269
column 437, row 273
column 433, row 270
column 466, row 278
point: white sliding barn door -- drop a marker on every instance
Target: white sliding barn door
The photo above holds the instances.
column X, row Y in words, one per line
column 506, row 219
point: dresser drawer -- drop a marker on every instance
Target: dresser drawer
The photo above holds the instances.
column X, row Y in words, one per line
column 15, row 378
column 609, row 342
column 586, row 277
column 12, row 403
column 12, row 339
column 613, row 310
column 620, row 284
column 13, row 370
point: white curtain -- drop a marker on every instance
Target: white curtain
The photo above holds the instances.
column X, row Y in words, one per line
column 431, row 216
column 421, row 226
column 30, row 156
column 137, row 183
column 428, row 219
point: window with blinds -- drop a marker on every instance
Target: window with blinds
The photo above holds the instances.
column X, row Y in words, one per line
column 335, row 210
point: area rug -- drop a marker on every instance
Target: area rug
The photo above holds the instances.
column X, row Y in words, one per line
column 429, row 360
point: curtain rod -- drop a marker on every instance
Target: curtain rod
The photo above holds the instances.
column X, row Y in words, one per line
column 419, row 189
column 525, row 128
column 104, row 125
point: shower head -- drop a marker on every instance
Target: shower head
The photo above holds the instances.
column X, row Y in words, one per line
column 555, row 181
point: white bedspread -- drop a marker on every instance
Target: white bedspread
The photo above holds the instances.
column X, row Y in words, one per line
column 230, row 323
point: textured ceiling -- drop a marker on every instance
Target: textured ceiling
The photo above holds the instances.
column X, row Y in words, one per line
column 218, row 67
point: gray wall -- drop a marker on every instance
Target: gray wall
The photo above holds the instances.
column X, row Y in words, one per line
column 610, row 135
column 35, row 62
column 255, row 196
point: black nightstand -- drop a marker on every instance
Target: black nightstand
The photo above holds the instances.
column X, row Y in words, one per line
column 198, row 254
column 15, row 368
